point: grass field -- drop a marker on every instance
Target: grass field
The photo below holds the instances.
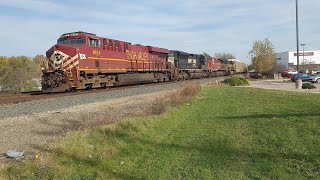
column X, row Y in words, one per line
column 224, row 133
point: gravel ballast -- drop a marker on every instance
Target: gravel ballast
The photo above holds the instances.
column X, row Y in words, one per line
column 46, row 105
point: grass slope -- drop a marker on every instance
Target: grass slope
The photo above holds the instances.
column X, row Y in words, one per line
column 229, row 133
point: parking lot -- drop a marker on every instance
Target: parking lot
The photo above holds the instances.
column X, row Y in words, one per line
column 282, row 84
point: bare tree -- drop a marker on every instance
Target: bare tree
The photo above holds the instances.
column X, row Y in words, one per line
column 224, row 56
column 206, row 55
column 308, row 64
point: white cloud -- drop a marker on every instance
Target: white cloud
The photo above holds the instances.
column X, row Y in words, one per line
column 193, row 26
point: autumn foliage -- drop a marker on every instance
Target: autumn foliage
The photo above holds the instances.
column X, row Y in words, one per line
column 18, row 73
column 263, row 56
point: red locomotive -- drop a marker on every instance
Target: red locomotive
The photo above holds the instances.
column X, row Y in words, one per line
column 83, row 60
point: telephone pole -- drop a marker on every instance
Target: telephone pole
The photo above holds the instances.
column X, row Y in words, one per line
column 297, row 33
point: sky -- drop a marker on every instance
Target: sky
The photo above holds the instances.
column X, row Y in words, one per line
column 31, row 27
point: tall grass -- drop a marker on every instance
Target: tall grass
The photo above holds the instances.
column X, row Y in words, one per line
column 184, row 94
column 178, row 97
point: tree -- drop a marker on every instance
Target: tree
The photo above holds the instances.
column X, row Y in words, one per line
column 308, row 64
column 40, row 62
column 224, row 56
column 278, row 68
column 263, row 56
column 16, row 73
column 206, row 55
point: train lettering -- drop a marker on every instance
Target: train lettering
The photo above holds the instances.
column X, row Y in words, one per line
column 140, row 56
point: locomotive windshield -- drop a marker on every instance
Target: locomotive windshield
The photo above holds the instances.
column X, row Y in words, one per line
column 72, row 41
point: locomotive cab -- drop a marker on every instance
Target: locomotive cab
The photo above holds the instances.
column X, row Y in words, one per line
column 63, row 59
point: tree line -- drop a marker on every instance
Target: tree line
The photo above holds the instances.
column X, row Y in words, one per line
column 20, row 73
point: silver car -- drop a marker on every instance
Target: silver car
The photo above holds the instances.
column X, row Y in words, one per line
column 316, row 79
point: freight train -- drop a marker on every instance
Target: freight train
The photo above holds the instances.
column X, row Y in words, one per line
column 82, row 60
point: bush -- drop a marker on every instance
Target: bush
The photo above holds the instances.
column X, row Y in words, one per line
column 16, row 72
column 236, row 81
column 308, row 86
column 32, row 85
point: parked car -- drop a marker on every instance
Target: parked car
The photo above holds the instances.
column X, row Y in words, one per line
column 315, row 79
column 288, row 73
column 303, row 77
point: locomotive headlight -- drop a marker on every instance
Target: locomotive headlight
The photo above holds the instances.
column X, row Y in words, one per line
column 43, row 69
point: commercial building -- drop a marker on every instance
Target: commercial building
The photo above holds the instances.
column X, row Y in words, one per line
column 308, row 60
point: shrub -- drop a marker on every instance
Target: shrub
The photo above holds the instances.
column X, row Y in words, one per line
column 236, row 81
column 32, row 85
column 308, row 86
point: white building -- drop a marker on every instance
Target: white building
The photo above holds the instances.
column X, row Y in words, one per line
column 307, row 60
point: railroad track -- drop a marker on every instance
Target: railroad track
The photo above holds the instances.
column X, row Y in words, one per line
column 10, row 98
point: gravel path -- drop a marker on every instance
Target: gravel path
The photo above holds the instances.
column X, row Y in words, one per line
column 283, row 85
column 30, row 126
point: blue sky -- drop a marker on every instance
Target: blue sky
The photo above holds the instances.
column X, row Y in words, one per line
column 30, row 27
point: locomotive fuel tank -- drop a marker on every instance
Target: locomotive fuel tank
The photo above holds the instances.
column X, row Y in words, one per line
column 129, row 79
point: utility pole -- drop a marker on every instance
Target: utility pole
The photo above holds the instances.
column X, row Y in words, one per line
column 303, row 51
column 297, row 33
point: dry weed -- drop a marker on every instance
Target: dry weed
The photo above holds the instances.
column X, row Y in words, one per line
column 178, row 97
column 187, row 91
column 157, row 107
column 215, row 83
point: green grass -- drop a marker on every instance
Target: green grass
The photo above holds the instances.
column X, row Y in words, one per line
column 224, row 133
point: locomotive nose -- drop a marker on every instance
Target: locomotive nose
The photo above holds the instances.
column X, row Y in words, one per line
column 57, row 57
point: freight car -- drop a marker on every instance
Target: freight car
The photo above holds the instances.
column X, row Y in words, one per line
column 239, row 66
column 82, row 60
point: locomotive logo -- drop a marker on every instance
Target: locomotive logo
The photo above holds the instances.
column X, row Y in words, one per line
column 82, row 56
column 60, row 60
column 58, row 56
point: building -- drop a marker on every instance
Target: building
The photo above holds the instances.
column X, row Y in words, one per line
column 309, row 60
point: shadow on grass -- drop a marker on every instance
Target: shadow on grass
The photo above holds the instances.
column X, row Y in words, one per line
column 271, row 116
